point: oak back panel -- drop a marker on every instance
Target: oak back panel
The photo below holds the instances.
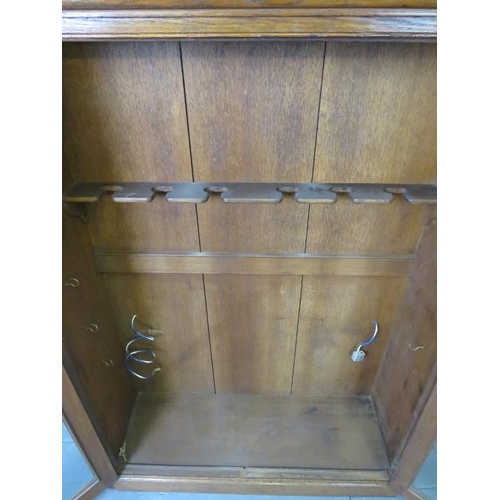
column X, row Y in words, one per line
column 241, row 112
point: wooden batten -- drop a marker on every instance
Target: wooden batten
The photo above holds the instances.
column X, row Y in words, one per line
column 217, row 263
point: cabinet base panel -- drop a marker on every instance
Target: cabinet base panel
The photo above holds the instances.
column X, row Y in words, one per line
column 241, row 430
column 334, row 483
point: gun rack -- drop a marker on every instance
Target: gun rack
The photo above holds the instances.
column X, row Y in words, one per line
column 199, row 192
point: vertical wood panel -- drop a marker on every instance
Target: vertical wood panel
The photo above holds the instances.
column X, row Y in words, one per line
column 124, row 119
column 404, row 374
column 349, row 228
column 253, row 111
column 336, row 315
column 174, row 304
column 378, row 114
column 143, row 227
column 107, row 389
column 377, row 123
column 231, row 227
column 253, row 321
column 417, row 448
column 124, row 112
column 77, row 420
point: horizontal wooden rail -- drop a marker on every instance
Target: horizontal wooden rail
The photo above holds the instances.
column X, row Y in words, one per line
column 246, row 4
column 256, row 472
column 221, row 263
column 336, row 23
column 200, row 192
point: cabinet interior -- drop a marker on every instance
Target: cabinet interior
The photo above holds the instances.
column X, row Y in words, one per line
column 254, row 349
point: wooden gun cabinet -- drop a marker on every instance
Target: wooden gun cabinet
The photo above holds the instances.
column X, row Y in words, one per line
column 251, row 186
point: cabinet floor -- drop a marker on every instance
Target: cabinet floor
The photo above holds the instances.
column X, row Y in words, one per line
column 243, row 430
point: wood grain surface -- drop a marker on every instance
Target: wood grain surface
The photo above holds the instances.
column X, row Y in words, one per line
column 378, row 114
column 77, row 421
column 417, row 448
column 250, row 23
column 252, row 109
column 325, row 487
column 252, row 115
column 255, row 430
column 262, row 473
column 227, row 263
column 123, row 112
column 124, row 119
column 174, row 304
column 336, row 315
column 107, row 389
column 365, row 229
column 242, row 228
column 253, row 322
column 405, row 374
column 242, row 314
column 240, row 4
column 143, row 227
column 377, row 123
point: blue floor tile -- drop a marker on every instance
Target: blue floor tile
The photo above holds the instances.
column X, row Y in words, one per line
column 377, row 498
column 66, row 436
column 427, row 477
column 111, row 494
column 222, row 496
column 430, row 493
column 76, row 474
column 75, row 468
column 70, row 490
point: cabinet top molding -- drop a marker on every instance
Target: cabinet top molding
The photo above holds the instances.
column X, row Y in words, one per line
column 109, row 20
column 245, row 4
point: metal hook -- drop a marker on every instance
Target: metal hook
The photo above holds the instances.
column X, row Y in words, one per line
column 138, row 332
column 142, row 377
column 72, row 282
column 93, row 328
column 132, row 355
column 108, row 362
column 420, row 346
column 358, row 354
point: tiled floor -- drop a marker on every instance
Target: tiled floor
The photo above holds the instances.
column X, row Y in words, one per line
column 426, row 481
column 77, row 474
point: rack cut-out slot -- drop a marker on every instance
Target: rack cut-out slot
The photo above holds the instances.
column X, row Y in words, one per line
column 200, row 192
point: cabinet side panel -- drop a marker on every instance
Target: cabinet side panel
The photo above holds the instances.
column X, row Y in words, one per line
column 124, row 119
column 108, row 389
column 253, row 110
column 406, row 375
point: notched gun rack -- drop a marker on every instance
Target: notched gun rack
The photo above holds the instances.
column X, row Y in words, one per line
column 200, row 192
